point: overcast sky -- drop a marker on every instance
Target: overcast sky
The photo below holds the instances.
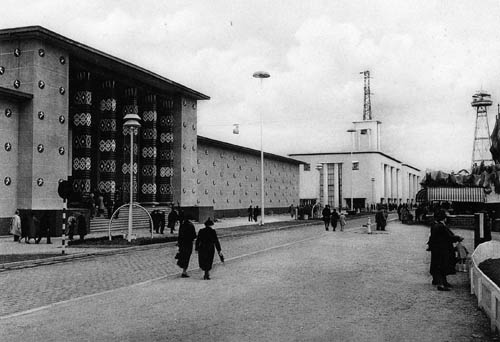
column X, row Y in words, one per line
column 427, row 59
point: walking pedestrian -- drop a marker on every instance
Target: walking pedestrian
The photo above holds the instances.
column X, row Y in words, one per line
column 33, row 227
column 172, row 218
column 70, row 229
column 44, row 230
column 381, row 220
column 442, row 251
column 250, row 213
column 342, row 221
column 334, row 218
column 82, row 226
column 15, row 227
column 326, row 216
column 187, row 234
column 256, row 213
column 206, row 244
column 291, row 210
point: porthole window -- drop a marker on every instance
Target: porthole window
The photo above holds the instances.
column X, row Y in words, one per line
column 17, row 52
column 41, row 52
column 41, row 84
column 39, row 181
column 62, row 119
column 2, row 70
column 62, row 60
column 17, row 84
column 7, row 181
column 8, row 146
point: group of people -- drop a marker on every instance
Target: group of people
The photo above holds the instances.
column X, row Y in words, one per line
column 206, row 244
column 98, row 204
column 253, row 213
column 333, row 217
column 37, row 228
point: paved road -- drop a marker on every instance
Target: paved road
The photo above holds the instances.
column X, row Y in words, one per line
column 306, row 284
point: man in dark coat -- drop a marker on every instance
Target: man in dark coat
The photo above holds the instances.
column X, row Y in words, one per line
column 250, row 213
column 335, row 219
column 381, row 220
column 187, row 234
column 81, row 226
column 44, row 230
column 206, row 244
column 172, row 218
column 256, row 213
column 442, row 251
column 326, row 216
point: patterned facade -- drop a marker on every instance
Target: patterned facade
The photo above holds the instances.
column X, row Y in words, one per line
column 62, row 106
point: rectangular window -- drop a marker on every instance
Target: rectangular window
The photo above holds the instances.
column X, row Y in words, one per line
column 307, row 167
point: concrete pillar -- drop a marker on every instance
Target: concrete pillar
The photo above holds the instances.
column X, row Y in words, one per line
column 336, row 203
column 325, row 184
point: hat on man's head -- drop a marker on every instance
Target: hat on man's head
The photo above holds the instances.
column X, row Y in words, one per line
column 440, row 215
column 209, row 222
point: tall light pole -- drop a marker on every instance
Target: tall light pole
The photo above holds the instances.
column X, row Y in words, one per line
column 261, row 75
column 132, row 122
column 352, row 131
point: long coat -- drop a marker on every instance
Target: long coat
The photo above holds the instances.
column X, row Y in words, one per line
column 442, row 250
column 172, row 218
column 206, row 244
column 187, row 234
column 15, row 228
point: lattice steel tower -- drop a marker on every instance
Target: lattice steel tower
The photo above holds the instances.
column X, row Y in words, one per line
column 482, row 141
column 367, row 108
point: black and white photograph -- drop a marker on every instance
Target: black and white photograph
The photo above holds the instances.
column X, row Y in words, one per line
column 250, row 170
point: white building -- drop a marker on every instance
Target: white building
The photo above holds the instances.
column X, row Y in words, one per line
column 375, row 177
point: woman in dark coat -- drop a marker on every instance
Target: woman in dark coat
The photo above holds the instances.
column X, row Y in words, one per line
column 187, row 234
column 206, row 244
column 81, row 226
column 326, row 216
column 442, row 251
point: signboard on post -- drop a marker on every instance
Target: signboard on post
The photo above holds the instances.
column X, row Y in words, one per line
column 64, row 189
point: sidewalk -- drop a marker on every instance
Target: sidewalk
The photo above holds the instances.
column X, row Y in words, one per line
column 8, row 246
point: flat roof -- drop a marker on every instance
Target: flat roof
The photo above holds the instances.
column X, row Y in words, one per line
column 102, row 59
column 15, row 94
column 238, row 148
column 354, row 152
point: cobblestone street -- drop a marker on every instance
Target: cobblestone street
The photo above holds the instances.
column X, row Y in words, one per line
column 290, row 285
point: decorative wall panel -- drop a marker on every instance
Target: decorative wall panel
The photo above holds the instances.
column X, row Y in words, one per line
column 149, row 150
column 82, row 133
column 107, row 140
column 164, row 150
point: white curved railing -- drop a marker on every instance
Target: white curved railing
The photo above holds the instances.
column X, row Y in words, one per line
column 486, row 291
column 133, row 205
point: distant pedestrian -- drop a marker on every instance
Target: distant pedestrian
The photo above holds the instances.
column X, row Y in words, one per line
column 172, row 219
column 256, row 213
column 342, row 221
column 380, row 219
column 291, row 210
column 44, row 230
column 326, row 213
column 15, row 227
column 71, row 227
column 162, row 221
column 33, row 227
column 334, row 219
column 442, row 251
column 187, row 234
column 206, row 244
column 117, row 203
column 250, row 213
column 82, row 226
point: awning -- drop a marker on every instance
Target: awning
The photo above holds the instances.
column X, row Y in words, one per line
column 421, row 196
column 465, row 194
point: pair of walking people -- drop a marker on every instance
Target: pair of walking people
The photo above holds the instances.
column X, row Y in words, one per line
column 206, row 244
column 334, row 218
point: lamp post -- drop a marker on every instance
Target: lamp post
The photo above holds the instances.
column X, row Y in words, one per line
column 261, row 75
column 352, row 172
column 132, row 122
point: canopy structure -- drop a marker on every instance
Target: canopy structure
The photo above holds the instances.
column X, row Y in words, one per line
column 464, row 194
column 421, row 196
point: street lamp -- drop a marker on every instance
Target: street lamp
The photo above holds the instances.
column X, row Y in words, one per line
column 352, row 172
column 261, row 75
column 132, row 122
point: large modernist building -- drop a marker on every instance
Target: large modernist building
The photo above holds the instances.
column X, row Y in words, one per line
column 366, row 175
column 62, row 105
